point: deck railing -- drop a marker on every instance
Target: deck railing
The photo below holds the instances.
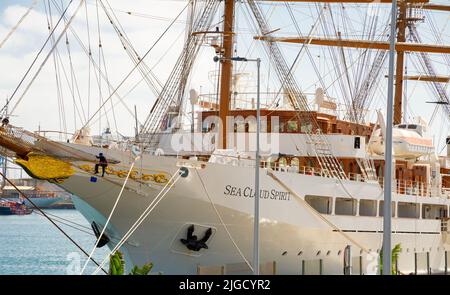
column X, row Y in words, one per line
column 399, row 186
column 444, row 224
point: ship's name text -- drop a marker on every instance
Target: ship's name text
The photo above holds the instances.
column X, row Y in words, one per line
column 249, row 192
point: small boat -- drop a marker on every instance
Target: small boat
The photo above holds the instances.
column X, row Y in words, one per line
column 40, row 194
column 14, row 208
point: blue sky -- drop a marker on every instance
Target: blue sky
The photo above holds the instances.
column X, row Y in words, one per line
column 6, row 3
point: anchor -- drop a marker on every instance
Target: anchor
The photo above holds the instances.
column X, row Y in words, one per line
column 193, row 243
column 104, row 239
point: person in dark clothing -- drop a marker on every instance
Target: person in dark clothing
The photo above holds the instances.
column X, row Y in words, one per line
column 101, row 162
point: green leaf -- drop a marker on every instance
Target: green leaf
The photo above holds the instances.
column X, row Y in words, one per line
column 394, row 258
column 143, row 271
column 117, row 266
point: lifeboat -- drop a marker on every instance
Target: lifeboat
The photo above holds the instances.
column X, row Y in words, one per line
column 407, row 139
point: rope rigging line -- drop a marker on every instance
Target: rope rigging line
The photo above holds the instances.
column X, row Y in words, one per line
column 150, row 72
column 131, row 51
column 322, row 148
column 38, row 54
column 134, row 68
column 148, row 16
column 173, row 91
column 297, row 27
column 59, row 94
column 51, row 220
column 90, row 54
column 110, row 215
column 99, row 84
column 14, row 29
column 223, row 223
column 74, row 86
column 70, row 84
column 162, row 193
column 316, row 213
column 76, row 226
column 48, row 55
column 109, row 89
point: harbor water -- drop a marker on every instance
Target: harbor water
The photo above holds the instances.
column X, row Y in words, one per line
column 31, row 245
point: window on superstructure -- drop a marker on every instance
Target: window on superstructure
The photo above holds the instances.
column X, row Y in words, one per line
column 367, row 208
column 305, row 127
column 381, row 209
column 282, row 163
column 345, row 206
column 408, row 210
column 357, row 144
column 432, row 211
column 251, row 126
column 295, row 164
column 320, row 203
column 292, row 126
column 240, row 127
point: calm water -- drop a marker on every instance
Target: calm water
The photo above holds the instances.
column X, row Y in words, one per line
column 32, row 245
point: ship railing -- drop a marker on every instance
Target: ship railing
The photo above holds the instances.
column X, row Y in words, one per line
column 17, row 133
column 356, row 177
column 445, row 224
column 413, row 188
column 400, row 186
column 305, row 170
column 446, row 192
column 246, row 100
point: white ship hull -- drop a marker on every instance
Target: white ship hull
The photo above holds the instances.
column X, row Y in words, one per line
column 290, row 232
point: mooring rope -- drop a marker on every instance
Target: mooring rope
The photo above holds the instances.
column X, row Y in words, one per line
column 224, row 225
column 110, row 214
column 51, row 220
column 143, row 216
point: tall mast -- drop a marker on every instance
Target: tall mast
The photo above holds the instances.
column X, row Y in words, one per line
column 401, row 37
column 226, row 70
